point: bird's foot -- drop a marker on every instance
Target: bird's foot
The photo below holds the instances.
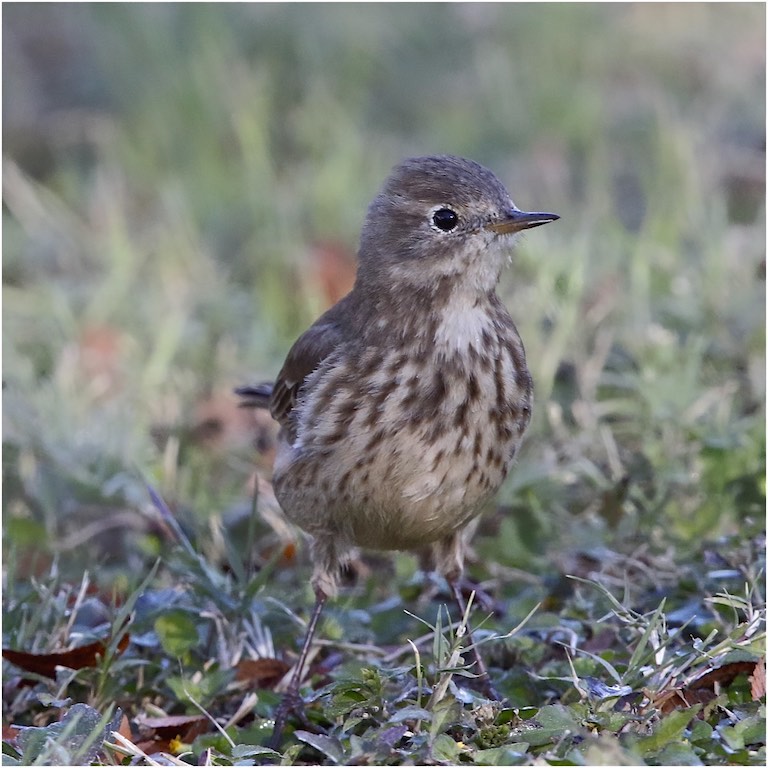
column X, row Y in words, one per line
column 482, row 599
column 435, row 587
column 292, row 704
column 482, row 682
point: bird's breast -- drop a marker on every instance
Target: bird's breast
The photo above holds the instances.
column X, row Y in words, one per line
column 396, row 446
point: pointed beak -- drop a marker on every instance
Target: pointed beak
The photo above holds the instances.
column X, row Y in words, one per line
column 513, row 220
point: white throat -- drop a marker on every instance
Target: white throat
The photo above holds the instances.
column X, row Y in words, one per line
column 463, row 326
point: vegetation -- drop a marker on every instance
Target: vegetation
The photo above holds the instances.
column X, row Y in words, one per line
column 183, row 188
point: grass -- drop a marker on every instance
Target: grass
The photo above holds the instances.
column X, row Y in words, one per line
column 183, row 189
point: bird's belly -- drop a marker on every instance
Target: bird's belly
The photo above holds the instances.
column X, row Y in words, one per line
column 404, row 496
column 415, row 460
column 422, row 493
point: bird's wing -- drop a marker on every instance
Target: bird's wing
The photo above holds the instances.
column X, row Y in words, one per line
column 310, row 349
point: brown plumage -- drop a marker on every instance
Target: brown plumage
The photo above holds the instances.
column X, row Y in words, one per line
column 403, row 407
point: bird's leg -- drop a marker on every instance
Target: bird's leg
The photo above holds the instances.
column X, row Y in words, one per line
column 448, row 554
column 483, row 678
column 482, row 598
column 292, row 701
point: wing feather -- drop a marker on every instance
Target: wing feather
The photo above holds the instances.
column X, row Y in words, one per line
column 318, row 342
column 310, row 349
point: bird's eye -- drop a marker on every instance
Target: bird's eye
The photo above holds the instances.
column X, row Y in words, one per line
column 445, row 219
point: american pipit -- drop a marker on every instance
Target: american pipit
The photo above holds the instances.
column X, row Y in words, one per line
column 403, row 407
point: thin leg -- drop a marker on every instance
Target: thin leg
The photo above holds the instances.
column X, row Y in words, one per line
column 448, row 554
column 292, row 701
column 483, row 679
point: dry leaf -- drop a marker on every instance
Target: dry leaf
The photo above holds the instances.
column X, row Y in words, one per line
column 170, row 731
column 702, row 689
column 265, row 673
column 125, row 728
column 723, row 675
column 45, row 663
column 680, row 698
column 171, row 726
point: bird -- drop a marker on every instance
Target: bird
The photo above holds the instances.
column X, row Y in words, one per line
column 403, row 407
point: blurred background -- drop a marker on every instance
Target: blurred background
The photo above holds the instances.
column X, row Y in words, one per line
column 183, row 189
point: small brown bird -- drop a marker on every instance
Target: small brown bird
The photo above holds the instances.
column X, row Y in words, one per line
column 403, row 407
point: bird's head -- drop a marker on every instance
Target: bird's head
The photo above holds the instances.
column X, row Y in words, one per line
column 439, row 216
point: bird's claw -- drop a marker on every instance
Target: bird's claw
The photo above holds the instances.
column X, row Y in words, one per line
column 292, row 704
column 482, row 599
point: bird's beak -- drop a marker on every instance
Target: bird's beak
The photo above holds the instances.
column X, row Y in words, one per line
column 514, row 220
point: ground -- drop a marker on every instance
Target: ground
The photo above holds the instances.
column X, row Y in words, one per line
column 184, row 187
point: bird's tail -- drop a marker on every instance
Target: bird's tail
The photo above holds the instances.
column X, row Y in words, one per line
column 257, row 396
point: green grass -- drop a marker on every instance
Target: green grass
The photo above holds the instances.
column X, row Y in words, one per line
column 170, row 172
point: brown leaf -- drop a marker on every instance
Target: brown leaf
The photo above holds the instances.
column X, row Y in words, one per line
column 723, row 675
column 263, row 672
column 45, row 663
column 702, row 689
column 757, row 680
column 679, row 698
column 169, row 732
column 155, row 746
column 125, row 728
column 171, row 726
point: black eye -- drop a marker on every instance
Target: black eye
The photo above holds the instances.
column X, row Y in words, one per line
column 445, row 219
